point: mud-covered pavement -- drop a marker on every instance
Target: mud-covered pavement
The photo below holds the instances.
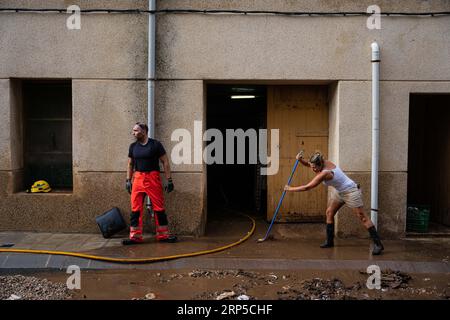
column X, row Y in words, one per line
column 231, row 285
column 290, row 266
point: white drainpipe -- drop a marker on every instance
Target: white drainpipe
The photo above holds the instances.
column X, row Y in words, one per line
column 375, row 131
column 151, row 69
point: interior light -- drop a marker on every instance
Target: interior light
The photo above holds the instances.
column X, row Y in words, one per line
column 243, row 97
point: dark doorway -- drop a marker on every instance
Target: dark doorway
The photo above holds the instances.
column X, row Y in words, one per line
column 239, row 187
column 47, row 141
column 429, row 156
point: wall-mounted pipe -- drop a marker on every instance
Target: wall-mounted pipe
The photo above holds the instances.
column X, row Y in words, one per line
column 151, row 63
column 375, row 132
column 151, row 69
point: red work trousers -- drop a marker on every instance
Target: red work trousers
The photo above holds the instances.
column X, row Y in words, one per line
column 147, row 183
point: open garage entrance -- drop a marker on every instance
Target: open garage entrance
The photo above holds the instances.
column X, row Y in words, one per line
column 429, row 157
column 300, row 114
column 234, row 186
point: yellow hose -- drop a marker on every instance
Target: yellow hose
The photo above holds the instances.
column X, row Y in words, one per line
column 136, row 260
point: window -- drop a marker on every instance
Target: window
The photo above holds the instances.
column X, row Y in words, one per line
column 47, row 140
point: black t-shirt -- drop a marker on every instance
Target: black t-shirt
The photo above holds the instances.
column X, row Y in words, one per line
column 146, row 157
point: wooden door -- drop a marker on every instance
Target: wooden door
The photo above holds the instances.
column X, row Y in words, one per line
column 301, row 115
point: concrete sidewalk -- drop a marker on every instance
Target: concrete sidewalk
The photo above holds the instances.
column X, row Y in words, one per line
column 293, row 248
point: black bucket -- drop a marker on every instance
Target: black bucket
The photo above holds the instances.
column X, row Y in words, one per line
column 111, row 222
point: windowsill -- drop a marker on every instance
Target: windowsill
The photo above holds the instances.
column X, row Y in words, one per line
column 53, row 192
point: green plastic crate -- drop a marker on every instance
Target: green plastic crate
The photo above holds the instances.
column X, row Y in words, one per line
column 417, row 219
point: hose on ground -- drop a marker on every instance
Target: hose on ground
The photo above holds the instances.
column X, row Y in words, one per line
column 137, row 260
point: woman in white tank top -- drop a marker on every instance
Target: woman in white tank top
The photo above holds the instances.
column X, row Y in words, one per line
column 346, row 191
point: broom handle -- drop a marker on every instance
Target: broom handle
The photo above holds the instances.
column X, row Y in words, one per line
column 281, row 200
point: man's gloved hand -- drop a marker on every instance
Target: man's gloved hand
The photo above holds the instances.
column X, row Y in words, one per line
column 169, row 188
column 299, row 155
column 129, row 186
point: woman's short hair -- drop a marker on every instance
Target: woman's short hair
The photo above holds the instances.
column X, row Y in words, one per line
column 317, row 159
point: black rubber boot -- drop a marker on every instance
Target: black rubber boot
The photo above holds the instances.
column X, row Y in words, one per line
column 127, row 242
column 377, row 245
column 170, row 239
column 329, row 243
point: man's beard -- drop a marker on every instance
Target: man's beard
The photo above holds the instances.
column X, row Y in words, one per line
column 141, row 139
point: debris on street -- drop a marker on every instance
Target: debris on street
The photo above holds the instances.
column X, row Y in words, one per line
column 18, row 287
column 226, row 284
column 394, row 279
column 150, row 296
column 225, row 295
column 319, row 289
column 221, row 274
column 393, row 283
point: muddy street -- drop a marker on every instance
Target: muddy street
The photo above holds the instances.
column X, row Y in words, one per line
column 201, row 284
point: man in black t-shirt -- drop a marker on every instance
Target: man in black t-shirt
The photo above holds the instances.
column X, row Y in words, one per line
column 143, row 166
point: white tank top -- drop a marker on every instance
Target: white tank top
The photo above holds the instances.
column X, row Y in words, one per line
column 340, row 180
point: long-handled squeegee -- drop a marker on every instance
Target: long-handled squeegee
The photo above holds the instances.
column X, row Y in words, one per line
column 279, row 204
